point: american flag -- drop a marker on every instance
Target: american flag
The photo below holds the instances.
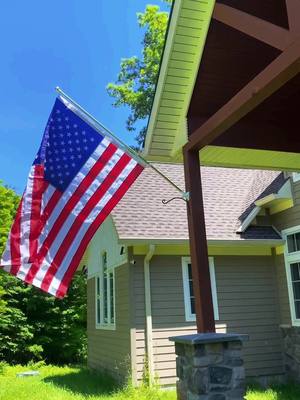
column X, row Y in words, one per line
column 76, row 179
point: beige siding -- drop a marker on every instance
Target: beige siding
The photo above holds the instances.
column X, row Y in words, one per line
column 290, row 217
column 105, row 240
column 283, row 220
column 248, row 303
column 283, row 295
column 110, row 349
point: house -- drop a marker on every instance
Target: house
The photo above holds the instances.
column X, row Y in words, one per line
column 139, row 278
column 228, row 89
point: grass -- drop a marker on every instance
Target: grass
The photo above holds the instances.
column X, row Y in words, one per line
column 71, row 383
column 282, row 392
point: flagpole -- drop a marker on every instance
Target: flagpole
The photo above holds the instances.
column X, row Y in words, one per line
column 122, row 144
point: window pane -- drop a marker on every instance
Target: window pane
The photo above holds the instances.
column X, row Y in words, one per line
column 190, row 271
column 297, row 240
column 295, row 272
column 98, row 314
column 112, row 309
column 296, row 289
column 191, row 289
column 291, row 243
column 98, row 311
column 104, row 262
column 105, row 288
column 105, row 305
column 98, row 286
column 297, row 309
column 193, row 311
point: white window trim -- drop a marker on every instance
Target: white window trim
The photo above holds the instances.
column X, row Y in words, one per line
column 290, row 258
column 102, row 325
column 296, row 176
column 189, row 317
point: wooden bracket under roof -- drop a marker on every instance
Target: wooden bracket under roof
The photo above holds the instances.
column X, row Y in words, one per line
column 244, row 54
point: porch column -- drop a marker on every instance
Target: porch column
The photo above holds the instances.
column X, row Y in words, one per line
column 198, row 244
column 210, row 366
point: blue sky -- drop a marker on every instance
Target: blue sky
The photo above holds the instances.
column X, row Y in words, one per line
column 74, row 44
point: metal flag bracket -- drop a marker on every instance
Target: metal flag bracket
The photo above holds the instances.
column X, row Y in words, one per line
column 185, row 197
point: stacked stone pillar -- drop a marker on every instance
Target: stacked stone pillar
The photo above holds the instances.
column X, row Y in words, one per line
column 210, row 366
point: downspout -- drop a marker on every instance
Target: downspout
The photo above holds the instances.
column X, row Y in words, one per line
column 148, row 312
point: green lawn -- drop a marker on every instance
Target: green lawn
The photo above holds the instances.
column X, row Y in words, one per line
column 70, row 383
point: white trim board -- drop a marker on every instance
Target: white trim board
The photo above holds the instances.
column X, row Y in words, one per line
column 290, row 258
column 186, row 290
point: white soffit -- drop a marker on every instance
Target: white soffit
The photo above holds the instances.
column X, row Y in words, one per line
column 185, row 42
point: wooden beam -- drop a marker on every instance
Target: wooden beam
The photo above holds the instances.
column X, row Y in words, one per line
column 274, row 76
column 259, row 134
column 198, row 244
column 293, row 10
column 257, row 28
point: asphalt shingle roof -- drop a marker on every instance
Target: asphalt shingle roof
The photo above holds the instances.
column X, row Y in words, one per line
column 229, row 193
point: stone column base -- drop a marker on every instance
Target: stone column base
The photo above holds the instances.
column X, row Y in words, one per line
column 210, row 366
column 291, row 348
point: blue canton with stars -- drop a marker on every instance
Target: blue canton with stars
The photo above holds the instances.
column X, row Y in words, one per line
column 67, row 143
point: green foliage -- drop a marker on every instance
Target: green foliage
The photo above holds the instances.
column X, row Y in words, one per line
column 34, row 325
column 9, row 201
column 136, row 81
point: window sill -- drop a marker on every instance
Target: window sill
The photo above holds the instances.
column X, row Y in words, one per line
column 106, row 327
column 192, row 318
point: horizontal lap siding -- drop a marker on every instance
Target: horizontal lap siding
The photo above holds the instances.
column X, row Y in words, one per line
column 110, row 349
column 291, row 216
column 248, row 303
column 283, row 295
column 283, row 220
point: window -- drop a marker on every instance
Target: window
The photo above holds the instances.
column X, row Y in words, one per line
column 292, row 266
column 295, row 279
column 293, row 242
column 296, row 176
column 189, row 298
column 105, row 296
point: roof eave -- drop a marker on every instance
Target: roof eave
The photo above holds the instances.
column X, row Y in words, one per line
column 211, row 242
column 178, row 71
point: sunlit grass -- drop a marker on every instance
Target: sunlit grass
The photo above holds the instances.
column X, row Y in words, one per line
column 282, row 392
column 71, row 383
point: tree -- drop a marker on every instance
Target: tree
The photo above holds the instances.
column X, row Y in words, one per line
column 8, row 205
column 33, row 324
column 136, row 81
column 15, row 333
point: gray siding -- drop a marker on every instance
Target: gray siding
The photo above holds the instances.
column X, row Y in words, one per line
column 248, row 303
column 290, row 217
column 110, row 349
column 283, row 220
column 283, row 295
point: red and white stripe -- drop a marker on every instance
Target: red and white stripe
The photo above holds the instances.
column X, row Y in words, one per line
column 52, row 229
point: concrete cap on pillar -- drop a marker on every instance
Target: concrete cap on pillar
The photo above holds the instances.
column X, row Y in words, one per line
column 202, row 338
